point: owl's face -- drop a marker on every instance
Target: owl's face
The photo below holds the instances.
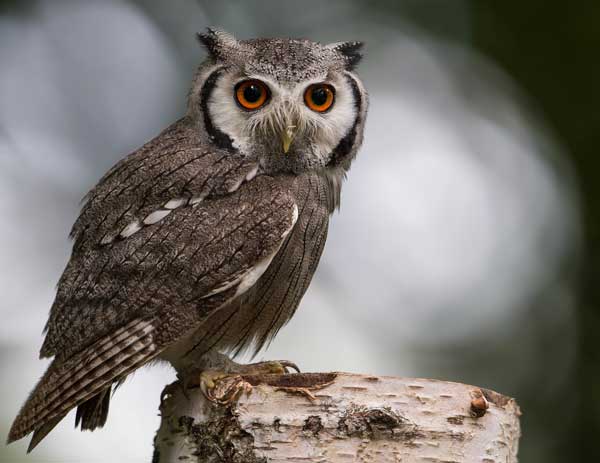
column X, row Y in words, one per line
column 293, row 104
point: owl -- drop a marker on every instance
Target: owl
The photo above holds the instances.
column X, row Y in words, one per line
column 206, row 238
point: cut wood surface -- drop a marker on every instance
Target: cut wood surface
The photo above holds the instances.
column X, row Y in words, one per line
column 337, row 417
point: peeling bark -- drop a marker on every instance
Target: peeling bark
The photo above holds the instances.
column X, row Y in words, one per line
column 337, row 417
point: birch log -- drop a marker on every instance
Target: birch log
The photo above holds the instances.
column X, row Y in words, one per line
column 337, row 417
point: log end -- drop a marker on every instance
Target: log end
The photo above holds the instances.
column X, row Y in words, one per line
column 339, row 417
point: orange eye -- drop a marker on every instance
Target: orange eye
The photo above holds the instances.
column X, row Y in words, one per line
column 251, row 94
column 319, row 97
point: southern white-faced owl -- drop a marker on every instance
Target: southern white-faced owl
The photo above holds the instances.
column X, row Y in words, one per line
column 206, row 238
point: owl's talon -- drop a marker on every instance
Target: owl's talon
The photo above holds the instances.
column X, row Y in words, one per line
column 222, row 388
column 225, row 387
column 289, row 365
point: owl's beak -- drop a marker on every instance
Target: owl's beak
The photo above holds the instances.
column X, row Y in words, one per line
column 287, row 136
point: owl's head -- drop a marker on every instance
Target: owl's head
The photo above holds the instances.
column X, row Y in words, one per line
column 295, row 105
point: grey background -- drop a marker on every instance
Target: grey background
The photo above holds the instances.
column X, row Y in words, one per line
column 453, row 255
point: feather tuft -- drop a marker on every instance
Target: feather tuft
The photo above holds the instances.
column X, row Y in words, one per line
column 218, row 43
column 350, row 51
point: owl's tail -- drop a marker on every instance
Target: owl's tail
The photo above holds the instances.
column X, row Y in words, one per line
column 84, row 381
column 92, row 414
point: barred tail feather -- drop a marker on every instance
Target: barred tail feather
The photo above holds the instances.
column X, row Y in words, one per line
column 42, row 432
column 85, row 380
column 93, row 412
column 103, row 352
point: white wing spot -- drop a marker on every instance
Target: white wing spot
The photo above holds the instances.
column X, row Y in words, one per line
column 294, row 220
column 156, row 216
column 235, row 186
column 249, row 278
column 225, row 286
column 196, row 199
column 107, row 239
column 249, row 176
column 175, row 203
column 130, row 229
column 252, row 174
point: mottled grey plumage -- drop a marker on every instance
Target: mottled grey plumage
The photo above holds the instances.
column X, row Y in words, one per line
column 207, row 237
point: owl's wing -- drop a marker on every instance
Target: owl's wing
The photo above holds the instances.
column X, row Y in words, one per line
column 189, row 261
column 177, row 164
column 121, row 303
column 129, row 226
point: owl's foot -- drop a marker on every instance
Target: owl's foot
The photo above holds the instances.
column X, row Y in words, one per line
column 225, row 387
column 222, row 388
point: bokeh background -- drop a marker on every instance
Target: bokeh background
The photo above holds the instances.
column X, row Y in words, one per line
column 466, row 244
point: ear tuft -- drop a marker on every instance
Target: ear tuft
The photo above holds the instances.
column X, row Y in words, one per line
column 350, row 52
column 217, row 42
column 208, row 39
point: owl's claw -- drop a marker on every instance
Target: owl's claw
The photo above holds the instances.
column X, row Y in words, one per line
column 287, row 365
column 223, row 388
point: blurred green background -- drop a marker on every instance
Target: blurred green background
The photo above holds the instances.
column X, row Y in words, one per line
column 467, row 243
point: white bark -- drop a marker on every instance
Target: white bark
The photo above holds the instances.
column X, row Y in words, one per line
column 339, row 417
